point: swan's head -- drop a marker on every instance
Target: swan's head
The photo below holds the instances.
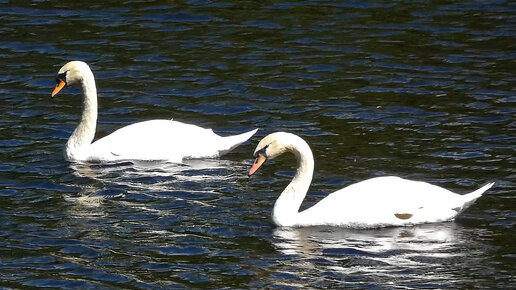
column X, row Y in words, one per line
column 71, row 74
column 272, row 146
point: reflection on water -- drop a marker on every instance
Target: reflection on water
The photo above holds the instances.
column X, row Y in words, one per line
column 149, row 176
column 388, row 256
column 423, row 238
column 136, row 170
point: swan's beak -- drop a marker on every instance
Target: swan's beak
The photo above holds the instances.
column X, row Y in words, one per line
column 257, row 163
column 60, row 85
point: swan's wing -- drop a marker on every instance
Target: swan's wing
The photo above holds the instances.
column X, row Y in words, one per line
column 157, row 140
column 387, row 200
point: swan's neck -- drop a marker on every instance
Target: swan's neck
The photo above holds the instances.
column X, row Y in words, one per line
column 85, row 132
column 286, row 208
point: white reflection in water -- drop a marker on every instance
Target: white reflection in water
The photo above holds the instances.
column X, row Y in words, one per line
column 151, row 178
column 387, row 254
column 137, row 169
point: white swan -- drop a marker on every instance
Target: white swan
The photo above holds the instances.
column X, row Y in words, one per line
column 376, row 202
column 164, row 140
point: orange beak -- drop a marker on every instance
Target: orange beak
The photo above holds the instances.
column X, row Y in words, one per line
column 257, row 163
column 60, row 85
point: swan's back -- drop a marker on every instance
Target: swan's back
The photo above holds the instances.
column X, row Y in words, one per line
column 162, row 140
column 388, row 201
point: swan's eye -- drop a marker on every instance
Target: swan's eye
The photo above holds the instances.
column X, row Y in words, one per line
column 61, row 77
column 261, row 152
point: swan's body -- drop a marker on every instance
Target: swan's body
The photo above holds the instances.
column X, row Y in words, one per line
column 376, row 202
column 164, row 140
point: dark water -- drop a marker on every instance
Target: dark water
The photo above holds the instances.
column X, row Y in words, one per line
column 423, row 90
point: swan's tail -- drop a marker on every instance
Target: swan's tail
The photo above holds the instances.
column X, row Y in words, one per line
column 469, row 199
column 231, row 142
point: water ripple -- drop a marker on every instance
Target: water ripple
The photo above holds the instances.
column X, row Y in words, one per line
column 420, row 91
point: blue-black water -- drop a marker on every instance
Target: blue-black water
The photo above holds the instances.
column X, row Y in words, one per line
column 419, row 89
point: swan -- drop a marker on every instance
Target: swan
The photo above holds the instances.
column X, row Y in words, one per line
column 376, row 202
column 158, row 140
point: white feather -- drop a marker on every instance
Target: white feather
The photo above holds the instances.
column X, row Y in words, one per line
column 376, row 202
column 165, row 140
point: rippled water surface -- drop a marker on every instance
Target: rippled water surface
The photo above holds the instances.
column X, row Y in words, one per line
column 423, row 90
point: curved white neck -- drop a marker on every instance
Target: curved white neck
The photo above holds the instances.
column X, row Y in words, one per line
column 286, row 208
column 85, row 131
